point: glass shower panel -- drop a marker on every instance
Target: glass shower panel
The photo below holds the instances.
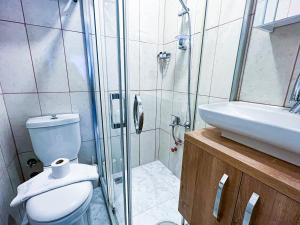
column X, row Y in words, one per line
column 112, row 104
column 94, row 73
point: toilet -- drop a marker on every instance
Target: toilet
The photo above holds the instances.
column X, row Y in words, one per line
column 52, row 137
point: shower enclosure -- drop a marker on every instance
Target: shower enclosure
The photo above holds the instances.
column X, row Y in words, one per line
column 145, row 103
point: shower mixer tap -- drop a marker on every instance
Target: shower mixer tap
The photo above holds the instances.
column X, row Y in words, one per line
column 176, row 122
column 164, row 55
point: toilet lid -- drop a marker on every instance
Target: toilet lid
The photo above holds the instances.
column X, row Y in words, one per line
column 58, row 203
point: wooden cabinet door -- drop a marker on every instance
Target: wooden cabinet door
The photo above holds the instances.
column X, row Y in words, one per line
column 272, row 207
column 188, row 180
column 210, row 171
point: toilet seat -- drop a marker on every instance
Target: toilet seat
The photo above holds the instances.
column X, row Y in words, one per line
column 60, row 206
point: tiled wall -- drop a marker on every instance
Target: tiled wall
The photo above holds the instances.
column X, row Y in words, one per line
column 42, row 68
column 10, row 170
column 271, row 70
column 144, row 24
column 282, row 9
column 173, row 77
column 220, row 44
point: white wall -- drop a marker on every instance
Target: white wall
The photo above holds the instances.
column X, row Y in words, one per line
column 10, row 171
column 42, row 68
column 273, row 62
column 278, row 9
column 220, row 44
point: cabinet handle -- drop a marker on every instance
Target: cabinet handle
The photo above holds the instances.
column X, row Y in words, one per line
column 249, row 208
column 219, row 195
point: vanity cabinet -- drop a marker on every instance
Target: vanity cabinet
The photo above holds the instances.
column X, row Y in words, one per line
column 272, row 206
column 219, row 177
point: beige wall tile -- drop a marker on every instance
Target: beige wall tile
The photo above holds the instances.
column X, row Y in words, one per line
column 225, row 59
column 268, row 69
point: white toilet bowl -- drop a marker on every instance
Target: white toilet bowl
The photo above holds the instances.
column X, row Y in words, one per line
column 53, row 137
column 67, row 205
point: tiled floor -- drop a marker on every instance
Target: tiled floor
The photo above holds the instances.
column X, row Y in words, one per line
column 155, row 193
column 98, row 212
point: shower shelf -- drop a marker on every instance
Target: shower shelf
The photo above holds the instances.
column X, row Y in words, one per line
column 269, row 27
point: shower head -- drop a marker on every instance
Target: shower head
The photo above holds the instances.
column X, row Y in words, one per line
column 184, row 7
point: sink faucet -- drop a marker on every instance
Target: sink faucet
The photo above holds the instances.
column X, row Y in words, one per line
column 295, row 97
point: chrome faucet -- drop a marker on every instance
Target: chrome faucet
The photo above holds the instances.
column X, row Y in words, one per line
column 295, row 97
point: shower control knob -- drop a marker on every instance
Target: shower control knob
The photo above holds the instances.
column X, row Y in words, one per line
column 174, row 149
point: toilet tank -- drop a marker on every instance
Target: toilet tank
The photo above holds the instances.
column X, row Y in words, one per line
column 55, row 136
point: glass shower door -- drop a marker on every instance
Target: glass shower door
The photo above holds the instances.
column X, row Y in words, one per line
column 112, row 103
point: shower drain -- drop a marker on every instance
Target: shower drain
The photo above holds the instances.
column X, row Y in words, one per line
column 166, row 223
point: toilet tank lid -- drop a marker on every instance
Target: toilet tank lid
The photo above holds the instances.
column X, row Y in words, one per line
column 53, row 120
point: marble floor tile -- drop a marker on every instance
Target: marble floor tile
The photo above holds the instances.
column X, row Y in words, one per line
column 98, row 211
column 166, row 211
column 155, row 193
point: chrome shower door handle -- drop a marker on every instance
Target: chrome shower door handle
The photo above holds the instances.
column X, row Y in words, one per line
column 138, row 114
column 114, row 112
column 249, row 208
column 218, row 199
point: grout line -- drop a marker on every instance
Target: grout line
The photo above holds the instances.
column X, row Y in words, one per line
column 215, row 49
column 7, row 173
column 42, row 26
column 65, row 56
column 291, row 77
column 260, row 103
column 214, row 59
column 246, row 58
column 1, row 88
column 157, row 205
column 193, row 35
column 6, row 164
column 5, row 105
column 195, row 112
column 289, row 7
column 211, row 96
column 58, row 92
column 31, row 58
column 222, row 24
column 10, row 21
column 13, row 136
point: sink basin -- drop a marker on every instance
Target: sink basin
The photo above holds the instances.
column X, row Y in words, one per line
column 272, row 130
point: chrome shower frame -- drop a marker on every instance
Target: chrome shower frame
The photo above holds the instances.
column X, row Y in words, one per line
column 245, row 35
column 92, row 67
column 87, row 16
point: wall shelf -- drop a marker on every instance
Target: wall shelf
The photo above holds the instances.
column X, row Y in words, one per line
column 269, row 27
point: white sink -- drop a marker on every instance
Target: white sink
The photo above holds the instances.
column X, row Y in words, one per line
column 272, row 130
